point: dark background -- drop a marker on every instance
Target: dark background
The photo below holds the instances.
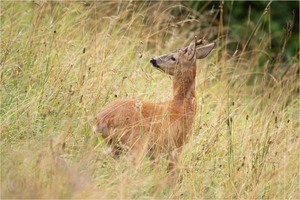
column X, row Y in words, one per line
column 282, row 20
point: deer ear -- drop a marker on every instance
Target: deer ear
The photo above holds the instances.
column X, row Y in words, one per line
column 202, row 52
column 183, row 51
column 191, row 50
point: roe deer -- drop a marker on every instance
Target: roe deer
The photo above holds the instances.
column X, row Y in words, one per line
column 146, row 127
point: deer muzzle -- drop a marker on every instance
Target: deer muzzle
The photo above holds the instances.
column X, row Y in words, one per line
column 154, row 63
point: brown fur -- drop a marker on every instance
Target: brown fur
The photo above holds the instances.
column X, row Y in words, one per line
column 146, row 127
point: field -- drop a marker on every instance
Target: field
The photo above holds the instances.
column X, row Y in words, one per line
column 61, row 62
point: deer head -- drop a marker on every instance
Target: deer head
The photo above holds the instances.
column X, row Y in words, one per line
column 182, row 59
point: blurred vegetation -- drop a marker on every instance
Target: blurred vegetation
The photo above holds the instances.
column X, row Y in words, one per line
column 280, row 19
column 272, row 25
column 62, row 61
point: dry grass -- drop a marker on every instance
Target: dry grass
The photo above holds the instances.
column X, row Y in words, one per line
column 62, row 62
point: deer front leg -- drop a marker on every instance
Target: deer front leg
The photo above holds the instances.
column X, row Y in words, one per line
column 173, row 160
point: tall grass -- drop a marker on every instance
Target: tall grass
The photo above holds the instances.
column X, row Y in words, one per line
column 61, row 62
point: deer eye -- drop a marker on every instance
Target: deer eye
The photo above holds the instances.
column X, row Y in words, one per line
column 172, row 58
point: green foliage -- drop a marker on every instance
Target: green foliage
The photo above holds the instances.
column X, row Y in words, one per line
column 61, row 62
column 274, row 20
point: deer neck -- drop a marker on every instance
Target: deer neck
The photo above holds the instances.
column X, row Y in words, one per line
column 184, row 85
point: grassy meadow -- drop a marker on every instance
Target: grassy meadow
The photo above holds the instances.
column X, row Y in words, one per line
column 61, row 62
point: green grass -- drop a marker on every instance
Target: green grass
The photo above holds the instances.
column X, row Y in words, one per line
column 61, row 62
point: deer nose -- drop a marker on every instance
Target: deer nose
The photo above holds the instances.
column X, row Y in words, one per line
column 153, row 62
